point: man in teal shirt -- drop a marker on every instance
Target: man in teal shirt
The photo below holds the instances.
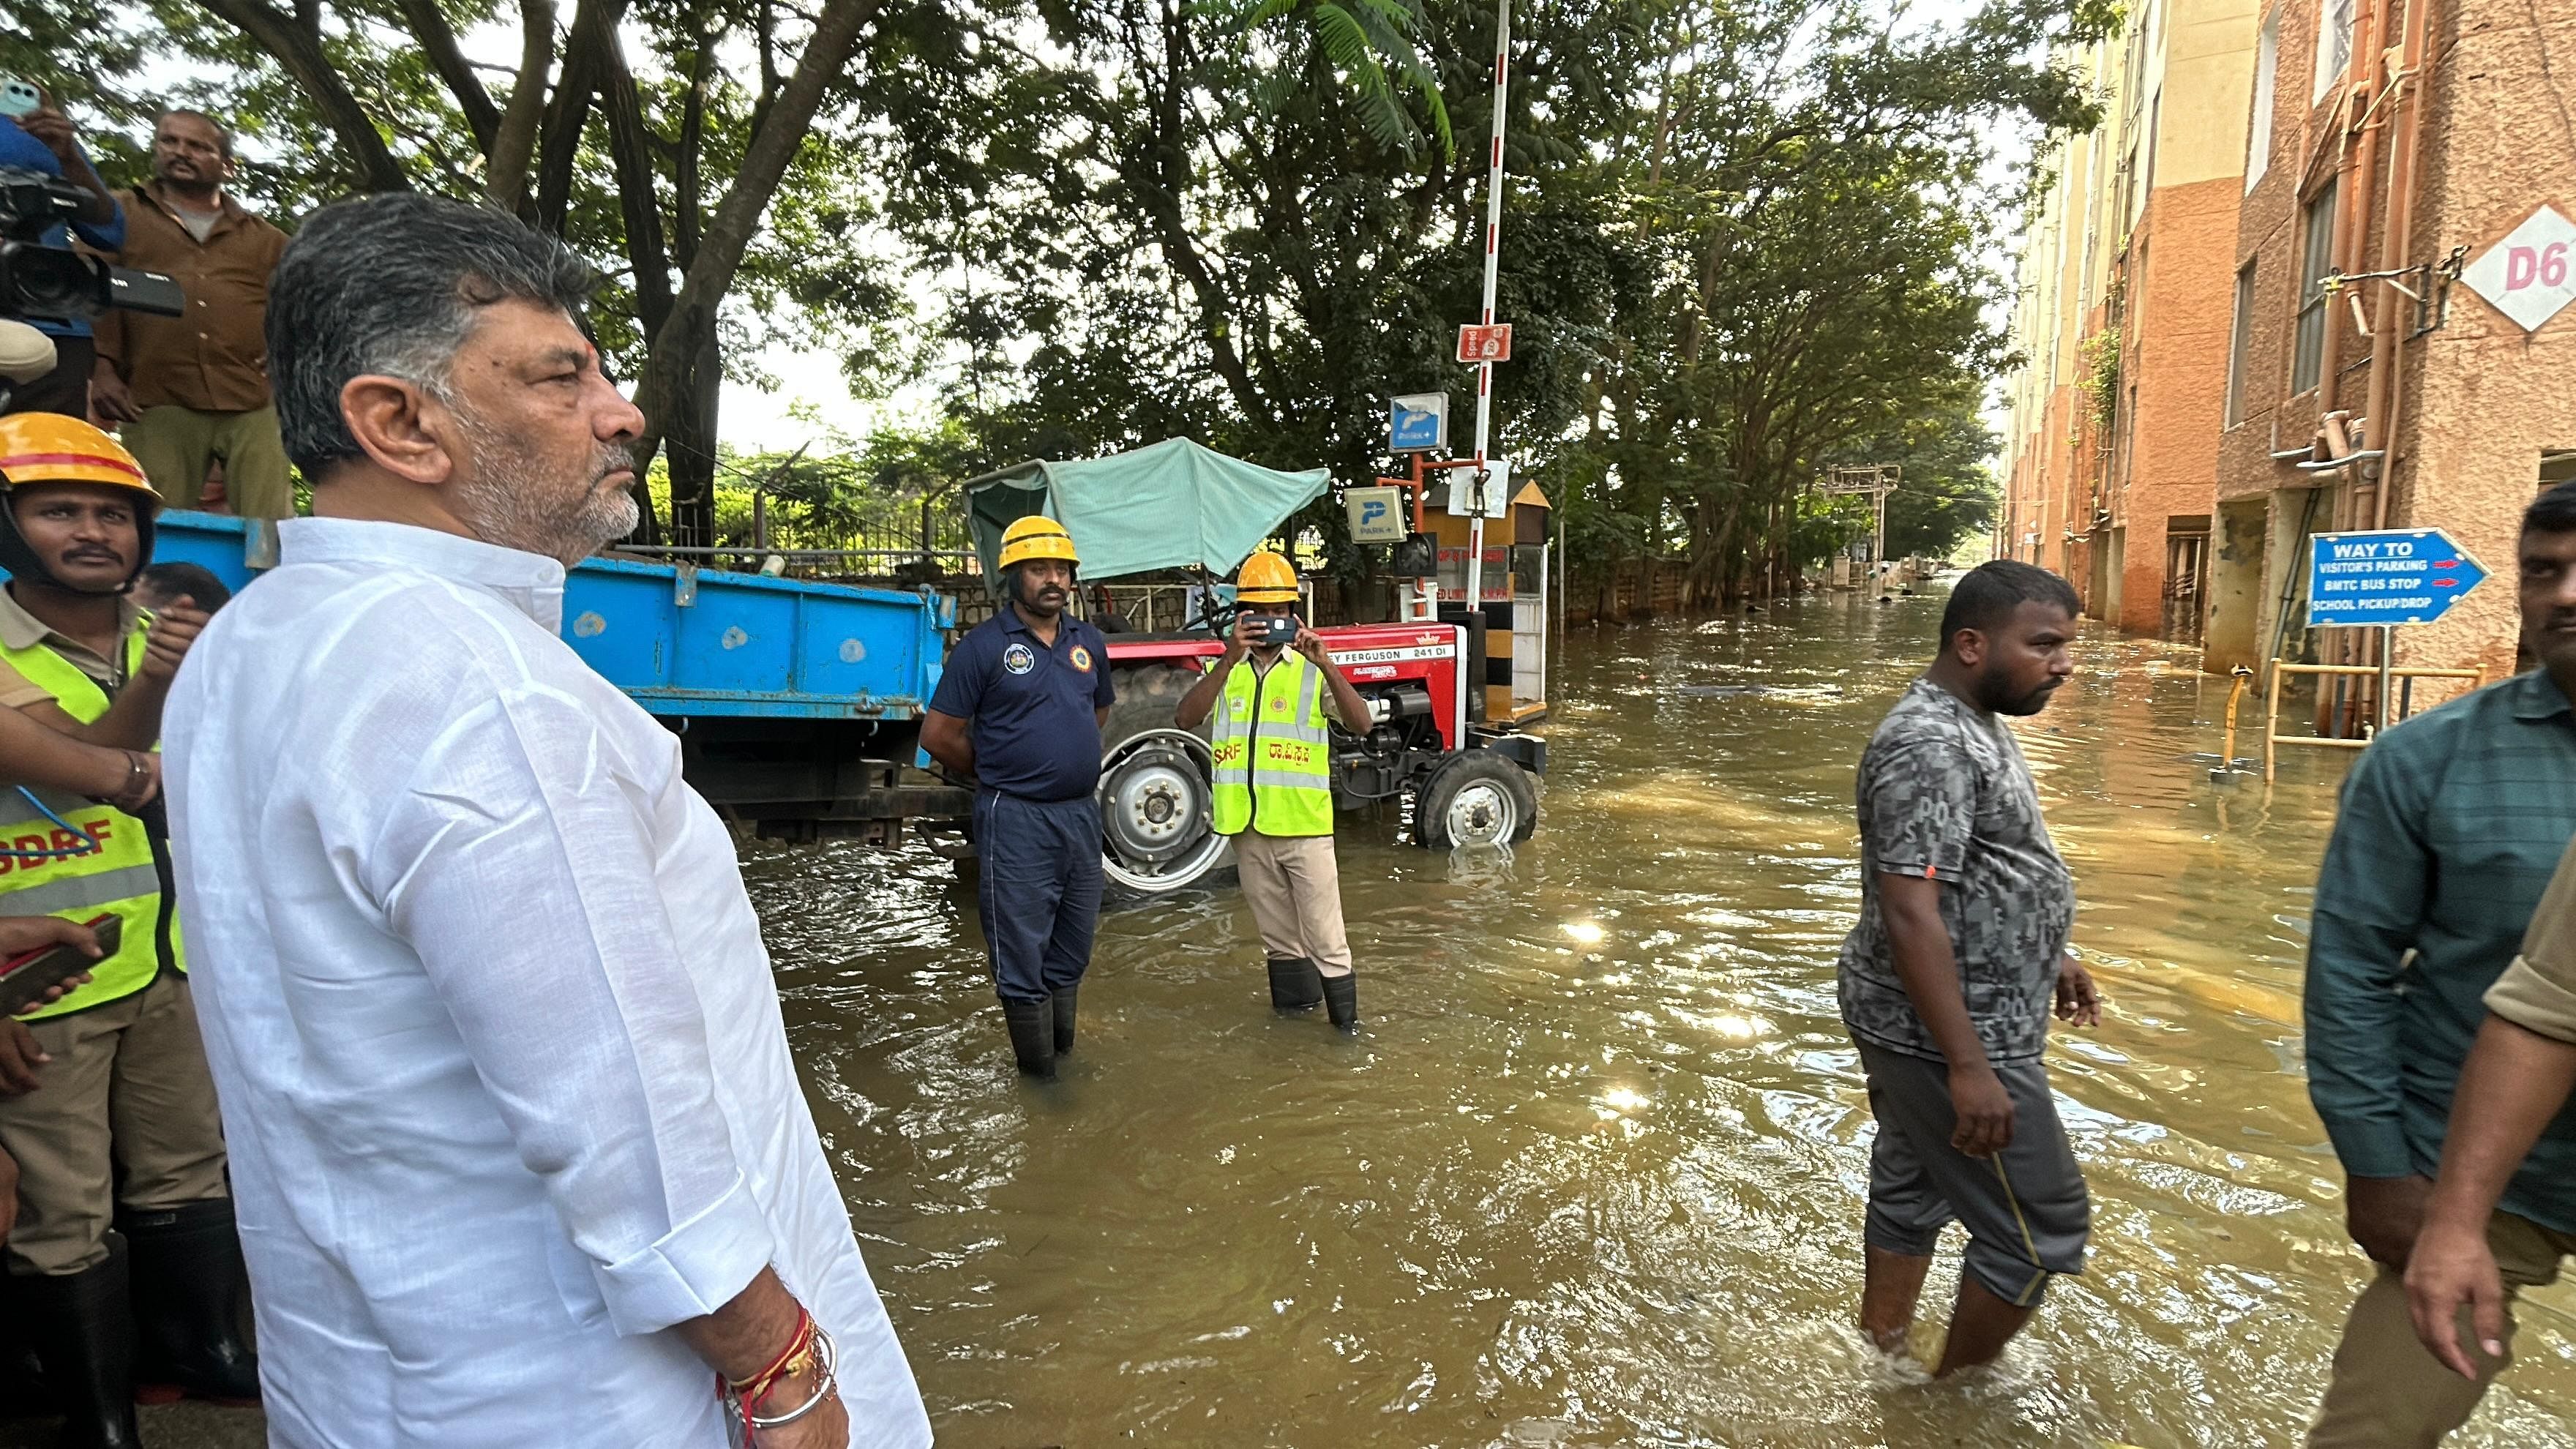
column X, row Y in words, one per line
column 2450, row 828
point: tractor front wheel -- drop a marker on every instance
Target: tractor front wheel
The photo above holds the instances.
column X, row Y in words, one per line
column 1474, row 797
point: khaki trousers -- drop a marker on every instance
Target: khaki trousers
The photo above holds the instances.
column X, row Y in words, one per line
column 2388, row 1391
column 174, row 444
column 1295, row 891
column 125, row 1112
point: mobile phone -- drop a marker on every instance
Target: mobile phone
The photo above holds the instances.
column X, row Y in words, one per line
column 19, row 97
column 1277, row 629
column 25, row 979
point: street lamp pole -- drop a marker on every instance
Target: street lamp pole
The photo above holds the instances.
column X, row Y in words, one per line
column 1493, row 253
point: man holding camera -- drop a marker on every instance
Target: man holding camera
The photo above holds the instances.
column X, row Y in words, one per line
column 193, row 389
column 42, row 140
column 1271, row 692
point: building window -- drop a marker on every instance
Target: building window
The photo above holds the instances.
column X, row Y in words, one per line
column 2240, row 341
column 2258, row 140
column 2334, row 44
column 2312, row 291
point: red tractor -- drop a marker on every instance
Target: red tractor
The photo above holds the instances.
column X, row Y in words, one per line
column 1449, row 689
column 1455, row 783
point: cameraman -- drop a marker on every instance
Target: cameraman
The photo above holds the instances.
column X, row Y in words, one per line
column 42, row 141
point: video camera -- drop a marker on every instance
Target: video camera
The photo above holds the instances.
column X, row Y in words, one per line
column 56, row 283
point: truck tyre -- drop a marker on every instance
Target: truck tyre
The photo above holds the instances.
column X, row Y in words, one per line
column 1474, row 798
column 1157, row 833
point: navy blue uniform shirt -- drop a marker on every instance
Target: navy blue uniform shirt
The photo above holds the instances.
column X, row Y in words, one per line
column 1029, row 708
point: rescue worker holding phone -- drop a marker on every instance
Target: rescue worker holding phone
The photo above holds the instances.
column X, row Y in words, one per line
column 1019, row 710
column 106, row 1104
column 1276, row 694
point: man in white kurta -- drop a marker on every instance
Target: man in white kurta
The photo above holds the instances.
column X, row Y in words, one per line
column 500, row 1056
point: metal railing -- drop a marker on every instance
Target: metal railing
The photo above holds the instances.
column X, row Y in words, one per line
column 2272, row 736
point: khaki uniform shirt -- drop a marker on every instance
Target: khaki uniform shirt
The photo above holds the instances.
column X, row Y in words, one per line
column 214, row 359
column 2538, row 991
column 21, row 630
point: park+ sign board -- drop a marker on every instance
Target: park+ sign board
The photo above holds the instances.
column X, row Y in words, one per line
column 1417, row 422
column 2386, row 577
column 1376, row 514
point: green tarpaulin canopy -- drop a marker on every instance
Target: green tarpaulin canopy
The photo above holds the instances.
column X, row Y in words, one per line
column 1169, row 505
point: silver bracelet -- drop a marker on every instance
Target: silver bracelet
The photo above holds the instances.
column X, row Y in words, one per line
column 828, row 1359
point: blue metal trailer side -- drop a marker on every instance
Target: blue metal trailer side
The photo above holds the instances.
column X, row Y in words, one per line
column 798, row 704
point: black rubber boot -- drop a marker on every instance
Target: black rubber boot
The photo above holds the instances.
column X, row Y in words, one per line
column 1295, row 984
column 1032, row 1026
column 1064, row 1008
column 83, row 1329
column 1342, row 1000
column 188, row 1290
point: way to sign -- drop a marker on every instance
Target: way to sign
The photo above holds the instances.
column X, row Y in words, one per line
column 2389, row 576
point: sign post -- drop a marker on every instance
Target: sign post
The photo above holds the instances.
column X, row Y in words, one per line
column 2384, row 578
column 1493, row 242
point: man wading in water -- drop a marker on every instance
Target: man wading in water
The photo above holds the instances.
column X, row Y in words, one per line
column 1947, row 979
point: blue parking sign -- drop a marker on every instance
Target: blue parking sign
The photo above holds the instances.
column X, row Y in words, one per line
column 1417, row 422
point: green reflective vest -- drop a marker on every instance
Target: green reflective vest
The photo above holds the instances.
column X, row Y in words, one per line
column 116, row 876
column 1273, row 766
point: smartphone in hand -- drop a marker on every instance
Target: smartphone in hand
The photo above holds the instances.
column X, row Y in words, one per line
column 25, row 979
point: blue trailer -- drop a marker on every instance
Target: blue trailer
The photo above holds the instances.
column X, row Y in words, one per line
column 798, row 704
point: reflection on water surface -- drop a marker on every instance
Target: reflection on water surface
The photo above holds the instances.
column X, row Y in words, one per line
column 1593, row 1174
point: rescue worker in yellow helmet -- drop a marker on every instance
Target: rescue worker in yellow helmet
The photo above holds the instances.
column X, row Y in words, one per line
column 1018, row 710
column 1274, row 691
column 106, row 1105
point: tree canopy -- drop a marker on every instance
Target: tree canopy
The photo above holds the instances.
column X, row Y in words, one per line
column 1742, row 239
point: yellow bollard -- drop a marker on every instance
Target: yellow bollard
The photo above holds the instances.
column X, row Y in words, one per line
column 2227, row 750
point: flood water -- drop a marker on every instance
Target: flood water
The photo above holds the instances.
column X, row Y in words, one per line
column 1593, row 1172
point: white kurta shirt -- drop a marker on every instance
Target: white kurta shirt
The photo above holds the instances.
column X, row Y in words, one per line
column 503, row 1073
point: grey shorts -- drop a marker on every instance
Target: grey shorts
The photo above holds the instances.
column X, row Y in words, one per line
column 2025, row 1209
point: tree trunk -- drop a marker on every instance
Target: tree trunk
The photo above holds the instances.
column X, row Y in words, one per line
column 514, row 139
column 691, row 451
column 678, row 352
column 429, row 29
column 594, row 29
column 299, row 49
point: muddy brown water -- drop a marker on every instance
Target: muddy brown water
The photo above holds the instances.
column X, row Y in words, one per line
column 1592, row 1174
column 1575, row 1192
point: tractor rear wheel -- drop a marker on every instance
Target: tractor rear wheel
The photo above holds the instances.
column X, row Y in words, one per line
column 1474, row 797
column 1156, row 816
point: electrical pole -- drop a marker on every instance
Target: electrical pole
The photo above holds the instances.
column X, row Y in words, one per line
column 1493, row 253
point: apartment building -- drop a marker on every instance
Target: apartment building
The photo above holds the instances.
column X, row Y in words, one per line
column 2402, row 351
column 2122, row 319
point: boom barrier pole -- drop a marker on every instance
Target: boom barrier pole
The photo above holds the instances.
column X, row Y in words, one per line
column 1493, row 255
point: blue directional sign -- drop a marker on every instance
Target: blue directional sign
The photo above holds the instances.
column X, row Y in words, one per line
column 1417, row 422
column 2389, row 576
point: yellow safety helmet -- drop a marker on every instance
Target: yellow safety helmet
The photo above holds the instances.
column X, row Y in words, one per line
column 1266, row 578
column 1036, row 536
column 52, row 448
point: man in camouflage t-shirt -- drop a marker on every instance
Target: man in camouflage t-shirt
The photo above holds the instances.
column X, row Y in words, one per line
column 1948, row 979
